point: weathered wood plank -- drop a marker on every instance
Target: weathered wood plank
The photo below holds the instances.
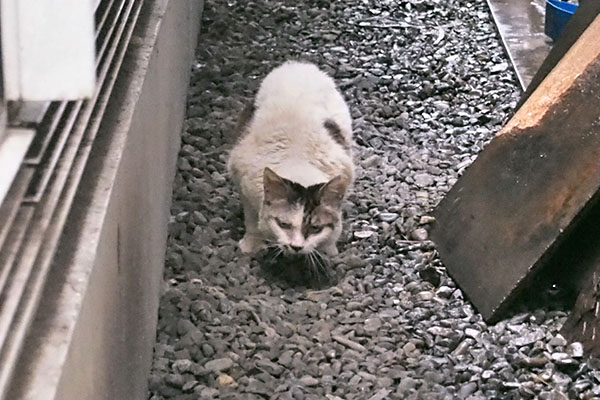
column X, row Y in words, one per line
column 507, row 215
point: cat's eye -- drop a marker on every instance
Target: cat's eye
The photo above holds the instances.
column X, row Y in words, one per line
column 283, row 224
column 314, row 229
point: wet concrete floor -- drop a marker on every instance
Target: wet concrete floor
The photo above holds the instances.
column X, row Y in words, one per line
column 521, row 25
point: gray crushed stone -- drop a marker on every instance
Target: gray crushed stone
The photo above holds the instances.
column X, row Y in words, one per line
column 428, row 85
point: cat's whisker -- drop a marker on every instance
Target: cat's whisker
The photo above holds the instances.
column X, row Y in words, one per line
column 277, row 250
column 274, row 254
column 312, row 265
column 315, row 266
column 320, row 263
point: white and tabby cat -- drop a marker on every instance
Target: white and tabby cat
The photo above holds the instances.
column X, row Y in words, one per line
column 293, row 162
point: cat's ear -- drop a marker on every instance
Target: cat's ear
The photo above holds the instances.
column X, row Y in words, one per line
column 333, row 192
column 275, row 187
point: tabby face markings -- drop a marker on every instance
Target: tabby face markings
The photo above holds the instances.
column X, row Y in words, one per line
column 301, row 219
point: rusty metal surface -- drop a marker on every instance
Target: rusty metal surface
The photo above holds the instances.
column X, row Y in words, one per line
column 508, row 214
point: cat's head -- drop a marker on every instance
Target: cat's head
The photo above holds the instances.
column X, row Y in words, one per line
column 302, row 219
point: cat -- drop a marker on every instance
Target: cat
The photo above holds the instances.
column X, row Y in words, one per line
column 292, row 163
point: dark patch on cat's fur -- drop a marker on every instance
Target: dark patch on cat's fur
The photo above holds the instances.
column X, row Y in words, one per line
column 280, row 188
column 310, row 199
column 241, row 127
column 298, row 195
column 317, row 200
column 336, row 133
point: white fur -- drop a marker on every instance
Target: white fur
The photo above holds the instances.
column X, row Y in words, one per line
column 287, row 135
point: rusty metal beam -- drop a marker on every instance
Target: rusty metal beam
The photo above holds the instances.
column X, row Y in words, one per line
column 507, row 216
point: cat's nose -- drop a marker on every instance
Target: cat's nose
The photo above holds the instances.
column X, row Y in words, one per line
column 296, row 248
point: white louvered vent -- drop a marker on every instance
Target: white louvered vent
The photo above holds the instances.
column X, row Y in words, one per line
column 34, row 210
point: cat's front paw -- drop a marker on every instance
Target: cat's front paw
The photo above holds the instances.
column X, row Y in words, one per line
column 249, row 245
column 331, row 250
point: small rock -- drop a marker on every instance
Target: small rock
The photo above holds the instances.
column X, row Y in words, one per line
column 487, row 374
column 354, row 306
column 372, row 324
column 440, row 331
column 189, row 386
column 560, row 358
column 349, row 343
column 269, row 367
column 363, row 234
column 558, row 340
column 182, row 366
column 406, row 385
column 207, row 350
column 175, row 380
column 218, row 365
column 285, row 359
column 474, row 333
column 225, row 380
column 499, row 68
column 385, row 382
column 426, row 219
column 534, row 362
column 388, row 217
column 557, row 395
column 309, row 381
column 206, row 392
column 425, row 295
column 380, row 395
column 575, row 350
column 371, row 161
column 529, row 338
column 444, row 292
column 419, row 234
column 408, row 348
column 423, row 179
column 184, row 326
column 466, row 390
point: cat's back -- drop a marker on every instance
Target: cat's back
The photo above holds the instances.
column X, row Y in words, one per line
column 300, row 127
column 297, row 84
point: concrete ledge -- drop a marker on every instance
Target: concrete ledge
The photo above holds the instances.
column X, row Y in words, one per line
column 94, row 331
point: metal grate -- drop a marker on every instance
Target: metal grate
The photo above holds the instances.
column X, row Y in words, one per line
column 34, row 211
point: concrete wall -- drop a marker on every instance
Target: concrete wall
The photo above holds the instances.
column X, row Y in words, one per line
column 94, row 333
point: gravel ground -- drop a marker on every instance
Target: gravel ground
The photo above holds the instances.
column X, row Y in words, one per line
column 428, row 84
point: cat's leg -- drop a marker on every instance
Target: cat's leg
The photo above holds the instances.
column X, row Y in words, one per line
column 251, row 242
column 331, row 249
column 249, row 245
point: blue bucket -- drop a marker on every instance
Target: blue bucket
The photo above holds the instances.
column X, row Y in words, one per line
column 557, row 15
